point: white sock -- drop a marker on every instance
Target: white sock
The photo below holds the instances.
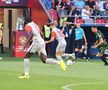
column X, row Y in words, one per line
column 51, row 61
column 66, row 55
column 26, row 66
column 59, row 58
column 69, row 55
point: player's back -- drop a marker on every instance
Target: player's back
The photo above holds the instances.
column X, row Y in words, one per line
column 36, row 32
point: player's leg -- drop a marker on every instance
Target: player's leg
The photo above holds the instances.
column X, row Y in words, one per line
column 84, row 56
column 44, row 59
column 63, row 47
column 69, row 55
column 59, row 52
column 43, row 56
column 26, row 66
column 102, row 55
column 28, row 54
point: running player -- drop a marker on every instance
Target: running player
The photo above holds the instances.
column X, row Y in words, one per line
column 37, row 45
column 58, row 34
column 101, row 44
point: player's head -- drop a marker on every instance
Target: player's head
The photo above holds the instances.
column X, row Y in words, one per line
column 94, row 29
column 77, row 25
column 52, row 25
column 28, row 20
column 48, row 22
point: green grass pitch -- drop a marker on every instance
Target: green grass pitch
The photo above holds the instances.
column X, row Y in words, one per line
column 92, row 75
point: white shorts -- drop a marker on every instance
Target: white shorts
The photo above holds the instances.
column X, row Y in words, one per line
column 61, row 46
column 37, row 47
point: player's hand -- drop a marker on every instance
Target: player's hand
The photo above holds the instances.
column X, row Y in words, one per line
column 46, row 42
column 94, row 46
column 85, row 46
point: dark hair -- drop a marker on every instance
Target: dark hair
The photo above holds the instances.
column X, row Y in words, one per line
column 93, row 27
column 48, row 21
column 28, row 20
column 51, row 24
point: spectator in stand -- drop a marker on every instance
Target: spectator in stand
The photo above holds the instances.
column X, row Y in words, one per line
column 100, row 5
column 90, row 3
column 85, row 1
column 97, row 12
column 48, row 4
column 53, row 4
column 68, row 5
column 105, row 5
column 62, row 18
column 59, row 3
column 86, row 13
column 79, row 4
column 74, row 13
column 61, row 11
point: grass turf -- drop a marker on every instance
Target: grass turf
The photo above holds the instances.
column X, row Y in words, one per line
column 81, row 75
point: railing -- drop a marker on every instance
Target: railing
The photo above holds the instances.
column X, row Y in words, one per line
column 42, row 2
column 93, row 20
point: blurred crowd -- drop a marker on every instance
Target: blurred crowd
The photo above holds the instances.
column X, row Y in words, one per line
column 87, row 10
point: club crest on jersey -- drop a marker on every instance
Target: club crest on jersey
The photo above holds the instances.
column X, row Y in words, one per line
column 22, row 40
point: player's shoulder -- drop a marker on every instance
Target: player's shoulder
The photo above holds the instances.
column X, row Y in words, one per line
column 54, row 30
column 99, row 34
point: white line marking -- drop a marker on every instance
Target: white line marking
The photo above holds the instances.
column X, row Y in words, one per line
column 67, row 87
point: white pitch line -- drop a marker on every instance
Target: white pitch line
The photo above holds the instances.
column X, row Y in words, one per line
column 67, row 87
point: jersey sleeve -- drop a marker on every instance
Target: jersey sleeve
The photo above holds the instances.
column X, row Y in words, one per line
column 28, row 28
column 53, row 34
column 99, row 35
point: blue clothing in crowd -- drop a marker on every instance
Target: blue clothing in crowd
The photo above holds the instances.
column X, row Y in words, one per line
column 48, row 4
column 79, row 32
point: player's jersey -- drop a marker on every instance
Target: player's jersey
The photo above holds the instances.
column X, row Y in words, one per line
column 36, row 32
column 99, row 35
column 58, row 34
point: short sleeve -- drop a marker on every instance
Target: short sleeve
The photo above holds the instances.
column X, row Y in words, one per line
column 28, row 28
column 53, row 34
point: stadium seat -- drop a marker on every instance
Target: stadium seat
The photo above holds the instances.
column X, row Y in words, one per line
column 99, row 21
column 78, row 21
column 106, row 21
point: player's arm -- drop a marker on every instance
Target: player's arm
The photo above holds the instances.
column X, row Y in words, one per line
column 28, row 30
column 53, row 35
column 51, row 40
column 85, row 40
column 96, row 42
column 99, row 42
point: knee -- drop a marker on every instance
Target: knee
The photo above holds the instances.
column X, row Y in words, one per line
column 44, row 61
column 43, row 57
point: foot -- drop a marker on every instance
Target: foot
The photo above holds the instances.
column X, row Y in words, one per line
column 62, row 65
column 106, row 64
column 24, row 77
column 73, row 56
